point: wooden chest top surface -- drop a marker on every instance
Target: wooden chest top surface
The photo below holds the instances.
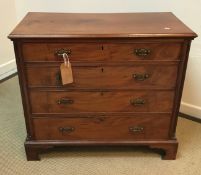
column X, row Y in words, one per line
column 97, row 25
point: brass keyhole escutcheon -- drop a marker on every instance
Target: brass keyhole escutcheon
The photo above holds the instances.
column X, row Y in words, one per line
column 101, row 93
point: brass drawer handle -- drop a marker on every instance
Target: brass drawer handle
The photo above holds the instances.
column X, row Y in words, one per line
column 60, row 52
column 137, row 102
column 141, row 77
column 65, row 101
column 67, row 129
column 136, row 129
column 142, row 52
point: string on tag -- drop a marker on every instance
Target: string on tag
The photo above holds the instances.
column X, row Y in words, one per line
column 66, row 70
column 66, row 59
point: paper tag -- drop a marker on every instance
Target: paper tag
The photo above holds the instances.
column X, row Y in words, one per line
column 66, row 73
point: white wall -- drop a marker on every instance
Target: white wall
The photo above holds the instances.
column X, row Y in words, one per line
column 188, row 11
column 7, row 22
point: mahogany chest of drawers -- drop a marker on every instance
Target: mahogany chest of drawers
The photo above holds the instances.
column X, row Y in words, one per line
column 128, row 72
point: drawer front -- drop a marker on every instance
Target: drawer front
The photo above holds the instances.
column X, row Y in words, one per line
column 78, row 52
column 145, row 51
column 99, row 128
column 102, row 52
column 121, row 101
column 130, row 77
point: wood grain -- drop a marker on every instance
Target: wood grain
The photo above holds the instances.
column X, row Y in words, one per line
column 103, row 55
column 106, row 77
column 115, row 101
column 101, row 51
column 103, row 128
column 97, row 25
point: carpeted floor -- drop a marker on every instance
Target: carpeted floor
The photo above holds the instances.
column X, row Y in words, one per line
column 76, row 161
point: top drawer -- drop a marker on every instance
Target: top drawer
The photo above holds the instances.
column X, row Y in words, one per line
column 101, row 52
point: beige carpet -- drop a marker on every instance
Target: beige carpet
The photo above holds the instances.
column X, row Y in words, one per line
column 76, row 161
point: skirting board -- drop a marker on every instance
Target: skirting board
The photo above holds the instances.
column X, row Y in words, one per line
column 190, row 109
column 189, row 117
column 7, row 69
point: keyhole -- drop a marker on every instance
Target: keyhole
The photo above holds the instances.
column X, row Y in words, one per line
column 102, row 48
column 102, row 70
